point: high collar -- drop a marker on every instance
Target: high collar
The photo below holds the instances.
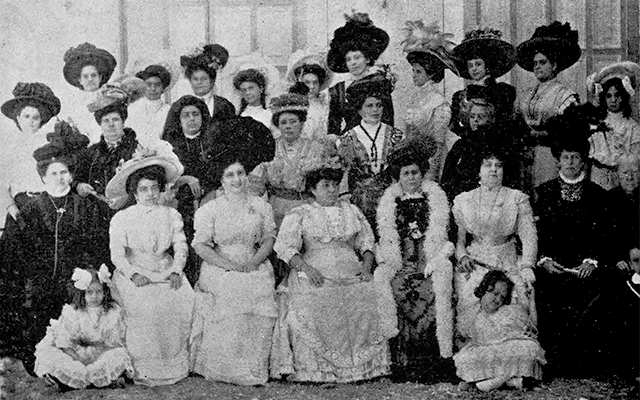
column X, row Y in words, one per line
column 59, row 195
column 579, row 179
column 193, row 135
column 370, row 127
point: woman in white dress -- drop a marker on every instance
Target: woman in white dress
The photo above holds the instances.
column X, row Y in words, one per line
column 235, row 307
column 148, row 115
column 151, row 287
column 613, row 87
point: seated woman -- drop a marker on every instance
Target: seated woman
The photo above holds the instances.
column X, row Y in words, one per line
column 283, row 177
column 495, row 217
column 56, row 231
column 151, row 287
column 236, row 310
column 413, row 254
column 364, row 148
column 575, row 231
column 503, row 348
column 333, row 322
column 613, row 87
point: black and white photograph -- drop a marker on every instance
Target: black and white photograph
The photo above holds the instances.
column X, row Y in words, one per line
column 320, row 199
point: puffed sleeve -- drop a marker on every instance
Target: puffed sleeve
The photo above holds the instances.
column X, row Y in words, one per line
column 527, row 230
column 203, row 224
column 456, row 210
column 113, row 333
column 65, row 329
column 364, row 239
column 268, row 222
column 289, row 240
column 118, row 244
column 315, row 157
column 179, row 242
column 438, row 125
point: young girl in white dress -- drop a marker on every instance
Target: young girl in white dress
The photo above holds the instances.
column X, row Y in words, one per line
column 503, row 348
column 85, row 346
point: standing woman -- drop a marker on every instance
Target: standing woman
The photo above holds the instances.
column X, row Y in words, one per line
column 311, row 71
column 428, row 52
column 153, row 290
column 365, row 147
column 550, row 50
column 482, row 57
column 236, row 308
column 87, row 68
column 613, row 87
column 355, row 47
column 32, row 106
column 413, row 254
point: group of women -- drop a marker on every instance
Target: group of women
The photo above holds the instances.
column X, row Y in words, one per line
column 312, row 239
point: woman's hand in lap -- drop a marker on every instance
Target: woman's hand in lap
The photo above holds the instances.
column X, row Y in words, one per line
column 140, row 280
column 175, row 281
column 585, row 270
column 315, row 277
column 552, row 267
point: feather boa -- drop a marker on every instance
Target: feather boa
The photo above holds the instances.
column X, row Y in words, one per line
column 437, row 250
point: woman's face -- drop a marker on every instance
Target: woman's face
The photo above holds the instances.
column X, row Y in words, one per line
column 614, row 100
column 89, row 78
column 371, row 110
column 410, row 178
column 29, row 119
column 154, row 88
column 112, row 126
column 234, row 179
column 357, row 63
column 477, row 68
column 190, row 120
column 326, row 192
column 494, row 298
column 147, row 192
column 629, row 176
column 479, row 116
column 290, row 126
column 201, row 83
column 251, row 92
column 420, row 75
column 94, row 295
column 543, row 68
column 312, row 82
column 571, row 164
column 57, row 177
column 491, row 172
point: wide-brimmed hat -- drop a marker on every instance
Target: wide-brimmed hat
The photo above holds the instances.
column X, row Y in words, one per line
column 498, row 55
column 205, row 56
column 126, row 89
column 65, row 142
column 288, row 102
column 413, row 151
column 158, row 71
column 36, row 94
column 360, row 32
column 556, row 40
column 424, row 42
column 374, row 85
column 571, row 130
column 628, row 72
column 143, row 157
column 87, row 54
column 302, row 62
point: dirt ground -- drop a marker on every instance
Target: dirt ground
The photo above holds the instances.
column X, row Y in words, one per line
column 24, row 387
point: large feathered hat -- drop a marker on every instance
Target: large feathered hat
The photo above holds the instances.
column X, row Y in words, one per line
column 557, row 41
column 358, row 33
column 117, row 96
column 34, row 94
column 85, row 54
column 628, row 72
column 498, row 55
column 288, row 102
column 64, row 144
column 427, row 43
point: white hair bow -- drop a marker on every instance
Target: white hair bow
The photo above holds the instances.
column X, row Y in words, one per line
column 103, row 274
column 81, row 278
